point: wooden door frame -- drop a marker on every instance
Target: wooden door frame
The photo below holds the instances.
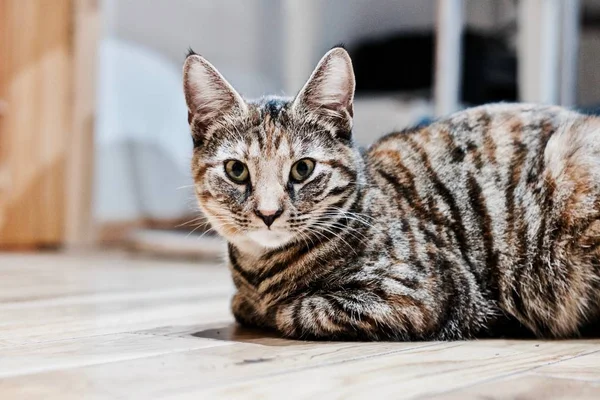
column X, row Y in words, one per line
column 48, row 72
column 79, row 227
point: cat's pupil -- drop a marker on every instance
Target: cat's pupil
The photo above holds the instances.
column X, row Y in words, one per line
column 302, row 168
column 237, row 168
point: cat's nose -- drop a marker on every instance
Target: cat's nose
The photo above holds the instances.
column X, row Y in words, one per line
column 268, row 216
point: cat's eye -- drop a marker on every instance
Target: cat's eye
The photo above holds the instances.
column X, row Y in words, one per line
column 302, row 169
column 237, row 171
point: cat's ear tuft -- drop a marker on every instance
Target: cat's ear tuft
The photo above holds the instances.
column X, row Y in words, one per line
column 208, row 95
column 329, row 92
column 190, row 52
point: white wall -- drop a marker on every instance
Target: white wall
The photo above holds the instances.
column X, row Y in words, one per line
column 143, row 141
column 241, row 37
column 141, row 102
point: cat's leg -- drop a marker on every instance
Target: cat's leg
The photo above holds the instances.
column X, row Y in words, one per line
column 246, row 311
column 355, row 315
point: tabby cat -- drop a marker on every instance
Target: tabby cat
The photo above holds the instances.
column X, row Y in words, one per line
column 487, row 219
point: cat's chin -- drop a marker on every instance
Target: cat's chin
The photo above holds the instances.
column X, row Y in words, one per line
column 268, row 239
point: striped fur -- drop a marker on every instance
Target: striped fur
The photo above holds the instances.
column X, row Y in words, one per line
column 483, row 221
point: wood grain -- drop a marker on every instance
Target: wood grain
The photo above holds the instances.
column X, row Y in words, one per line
column 106, row 326
column 417, row 372
column 528, row 387
column 583, row 368
column 70, row 353
column 35, row 84
column 79, row 226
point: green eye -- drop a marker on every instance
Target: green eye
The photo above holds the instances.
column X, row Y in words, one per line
column 236, row 170
column 302, row 169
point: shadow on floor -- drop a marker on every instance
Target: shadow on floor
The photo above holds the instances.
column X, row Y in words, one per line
column 236, row 333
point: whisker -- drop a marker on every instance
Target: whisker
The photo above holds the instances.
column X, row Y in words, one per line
column 337, row 236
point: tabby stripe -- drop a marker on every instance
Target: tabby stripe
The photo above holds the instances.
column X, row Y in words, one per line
column 350, row 320
column 457, row 224
column 199, row 173
column 447, row 296
column 315, row 318
column 412, row 245
column 473, row 151
column 477, row 201
column 290, row 262
column 484, row 121
column 260, row 139
column 545, row 200
column 456, row 299
column 517, row 287
column 514, row 175
column 471, row 148
column 269, row 130
column 278, row 141
column 348, row 172
column 249, row 138
column 251, row 278
column 458, row 154
column 489, row 145
column 287, row 286
column 410, row 283
column 408, row 192
column 546, row 130
column 297, row 318
column 294, row 289
column 555, row 226
column 412, row 197
column 316, row 181
column 338, row 190
column 431, row 236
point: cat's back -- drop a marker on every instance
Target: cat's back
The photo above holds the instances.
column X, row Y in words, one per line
column 484, row 141
column 479, row 175
column 500, row 122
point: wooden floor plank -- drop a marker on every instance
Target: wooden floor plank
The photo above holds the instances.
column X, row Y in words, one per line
column 583, row 368
column 419, row 372
column 305, row 370
column 104, row 326
column 528, row 387
column 53, row 297
column 31, row 277
column 180, row 374
column 72, row 353
column 81, row 320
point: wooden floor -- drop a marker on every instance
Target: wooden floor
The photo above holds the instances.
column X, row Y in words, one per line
column 116, row 327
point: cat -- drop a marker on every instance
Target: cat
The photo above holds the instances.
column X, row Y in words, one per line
column 484, row 220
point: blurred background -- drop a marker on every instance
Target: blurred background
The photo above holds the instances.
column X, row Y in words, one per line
column 94, row 141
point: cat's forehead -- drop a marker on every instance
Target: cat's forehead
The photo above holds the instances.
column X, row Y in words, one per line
column 267, row 133
column 272, row 106
column 271, row 130
column 270, row 139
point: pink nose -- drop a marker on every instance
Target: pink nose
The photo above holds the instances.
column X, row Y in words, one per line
column 268, row 216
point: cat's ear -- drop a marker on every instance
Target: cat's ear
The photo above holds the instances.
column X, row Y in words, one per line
column 209, row 97
column 329, row 92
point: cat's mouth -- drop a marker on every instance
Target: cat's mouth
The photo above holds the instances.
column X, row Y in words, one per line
column 270, row 238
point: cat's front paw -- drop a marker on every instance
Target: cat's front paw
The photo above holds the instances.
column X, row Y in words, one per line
column 245, row 313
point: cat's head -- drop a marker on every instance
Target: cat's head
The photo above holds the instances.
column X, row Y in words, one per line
column 276, row 170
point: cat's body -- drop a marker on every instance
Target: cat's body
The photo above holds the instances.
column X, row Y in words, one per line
column 450, row 231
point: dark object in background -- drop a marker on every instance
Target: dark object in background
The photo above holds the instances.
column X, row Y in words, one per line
column 405, row 62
